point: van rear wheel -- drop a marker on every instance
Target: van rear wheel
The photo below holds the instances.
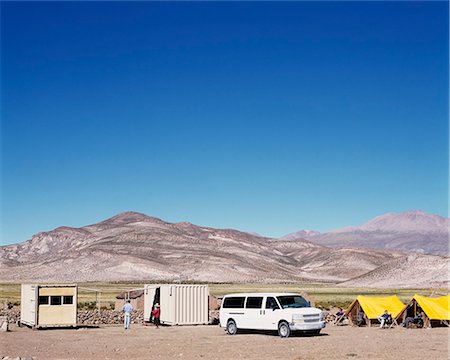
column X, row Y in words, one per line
column 283, row 329
column 231, row 327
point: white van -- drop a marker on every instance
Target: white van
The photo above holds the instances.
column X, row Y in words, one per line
column 270, row 311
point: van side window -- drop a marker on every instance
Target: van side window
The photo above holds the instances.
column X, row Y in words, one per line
column 233, row 302
column 271, row 303
column 254, row 302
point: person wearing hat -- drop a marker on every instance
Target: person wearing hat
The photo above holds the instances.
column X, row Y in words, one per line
column 156, row 315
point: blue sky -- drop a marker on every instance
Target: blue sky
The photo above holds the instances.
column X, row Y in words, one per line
column 264, row 117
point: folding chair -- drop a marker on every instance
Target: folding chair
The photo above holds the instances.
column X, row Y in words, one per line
column 394, row 322
column 338, row 320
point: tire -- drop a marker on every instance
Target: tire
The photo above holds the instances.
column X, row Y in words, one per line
column 283, row 329
column 231, row 327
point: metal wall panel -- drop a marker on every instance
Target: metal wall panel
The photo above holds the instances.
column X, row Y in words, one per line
column 184, row 304
column 180, row 304
column 58, row 315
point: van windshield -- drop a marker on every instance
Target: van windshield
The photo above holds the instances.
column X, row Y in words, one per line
column 293, row 301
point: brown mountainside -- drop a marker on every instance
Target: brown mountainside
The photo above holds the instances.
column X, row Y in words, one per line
column 134, row 246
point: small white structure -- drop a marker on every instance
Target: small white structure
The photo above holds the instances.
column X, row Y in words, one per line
column 48, row 305
column 180, row 304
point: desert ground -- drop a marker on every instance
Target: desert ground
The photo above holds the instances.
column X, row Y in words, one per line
column 211, row 342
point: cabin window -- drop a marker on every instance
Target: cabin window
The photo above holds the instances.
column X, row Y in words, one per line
column 254, row 302
column 271, row 303
column 67, row 300
column 43, row 300
column 55, row 300
column 233, row 302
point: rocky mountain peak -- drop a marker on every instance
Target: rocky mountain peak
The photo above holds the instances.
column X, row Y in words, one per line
column 129, row 217
column 302, row 234
column 412, row 230
column 408, row 221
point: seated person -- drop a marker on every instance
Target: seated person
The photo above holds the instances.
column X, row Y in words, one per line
column 360, row 319
column 385, row 318
column 407, row 322
column 338, row 315
column 418, row 320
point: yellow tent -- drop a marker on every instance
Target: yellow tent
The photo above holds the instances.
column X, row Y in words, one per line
column 373, row 307
column 435, row 308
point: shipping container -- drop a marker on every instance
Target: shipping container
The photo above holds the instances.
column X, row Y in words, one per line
column 180, row 304
column 48, row 305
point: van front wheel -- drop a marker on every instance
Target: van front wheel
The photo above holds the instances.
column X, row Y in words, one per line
column 231, row 327
column 283, row 329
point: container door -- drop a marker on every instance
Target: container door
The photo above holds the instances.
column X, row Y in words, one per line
column 34, row 304
column 167, row 302
column 28, row 304
column 149, row 300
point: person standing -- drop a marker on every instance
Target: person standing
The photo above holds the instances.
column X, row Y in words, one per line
column 127, row 309
column 156, row 315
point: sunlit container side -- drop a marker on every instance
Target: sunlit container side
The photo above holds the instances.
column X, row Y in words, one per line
column 180, row 304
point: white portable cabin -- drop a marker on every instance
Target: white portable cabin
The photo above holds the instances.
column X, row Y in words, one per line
column 180, row 304
column 48, row 305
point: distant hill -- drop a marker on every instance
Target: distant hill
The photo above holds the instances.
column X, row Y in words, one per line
column 409, row 231
column 134, row 246
column 410, row 271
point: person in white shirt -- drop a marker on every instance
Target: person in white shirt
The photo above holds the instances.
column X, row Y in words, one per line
column 127, row 309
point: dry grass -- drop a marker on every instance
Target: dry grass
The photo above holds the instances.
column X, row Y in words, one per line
column 325, row 295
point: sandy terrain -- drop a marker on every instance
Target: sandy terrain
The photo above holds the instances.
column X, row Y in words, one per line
column 211, row 342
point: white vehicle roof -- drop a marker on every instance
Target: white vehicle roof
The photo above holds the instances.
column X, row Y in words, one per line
column 262, row 294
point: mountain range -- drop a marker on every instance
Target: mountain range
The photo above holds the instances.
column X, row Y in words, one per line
column 134, row 246
column 409, row 231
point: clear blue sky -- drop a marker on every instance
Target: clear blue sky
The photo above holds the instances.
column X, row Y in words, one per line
column 264, row 117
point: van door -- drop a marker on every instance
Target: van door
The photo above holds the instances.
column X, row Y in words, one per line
column 253, row 313
column 233, row 308
column 270, row 314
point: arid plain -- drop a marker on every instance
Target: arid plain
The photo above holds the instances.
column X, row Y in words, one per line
column 211, row 342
